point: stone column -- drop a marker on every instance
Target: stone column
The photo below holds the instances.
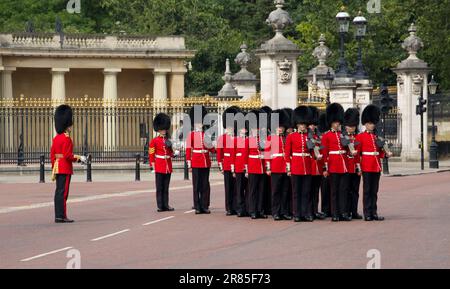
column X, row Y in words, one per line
column 109, row 104
column 343, row 91
column 177, row 84
column 412, row 81
column 7, row 95
column 58, row 86
column 160, row 84
column 244, row 81
column 364, row 94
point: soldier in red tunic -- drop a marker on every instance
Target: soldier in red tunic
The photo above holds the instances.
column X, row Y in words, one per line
column 276, row 165
column 256, row 167
column 335, row 163
column 298, row 162
column 316, row 162
column 240, row 164
column 225, row 158
column 62, row 157
column 291, row 129
column 372, row 150
column 264, row 132
column 325, row 190
column 198, row 148
column 351, row 123
column 160, row 156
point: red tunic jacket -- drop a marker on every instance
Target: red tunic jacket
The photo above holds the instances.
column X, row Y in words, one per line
column 241, row 154
column 160, row 156
column 371, row 155
column 196, row 151
column 316, row 165
column 225, row 151
column 275, row 157
column 352, row 161
column 334, row 153
column 61, row 155
column 256, row 163
column 297, row 154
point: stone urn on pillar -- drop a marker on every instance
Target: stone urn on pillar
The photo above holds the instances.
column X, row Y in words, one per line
column 412, row 80
column 279, row 71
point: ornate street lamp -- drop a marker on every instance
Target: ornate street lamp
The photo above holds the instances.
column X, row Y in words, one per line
column 328, row 81
column 343, row 20
column 360, row 23
column 434, row 162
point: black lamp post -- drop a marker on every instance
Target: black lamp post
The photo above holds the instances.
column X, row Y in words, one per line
column 434, row 162
column 386, row 106
column 328, row 81
column 343, row 20
column 360, row 23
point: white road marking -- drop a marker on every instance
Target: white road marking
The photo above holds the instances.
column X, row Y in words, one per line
column 188, row 212
column 46, row 254
column 92, row 198
column 110, row 235
column 157, row 221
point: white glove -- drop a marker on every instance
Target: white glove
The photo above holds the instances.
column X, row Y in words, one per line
column 83, row 160
column 176, row 153
column 189, row 164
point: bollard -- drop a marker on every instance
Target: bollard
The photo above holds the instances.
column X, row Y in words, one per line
column 42, row 169
column 89, row 169
column 138, row 168
column 186, row 171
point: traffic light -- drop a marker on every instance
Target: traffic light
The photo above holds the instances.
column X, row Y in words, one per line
column 387, row 102
column 421, row 107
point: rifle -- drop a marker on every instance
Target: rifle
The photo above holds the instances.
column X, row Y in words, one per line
column 314, row 144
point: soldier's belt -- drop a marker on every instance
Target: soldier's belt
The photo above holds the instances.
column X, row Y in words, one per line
column 371, row 153
column 255, row 157
column 226, row 155
column 239, row 155
column 277, row 155
column 301, row 154
column 59, row 156
column 200, row 151
column 337, row 152
column 162, row 157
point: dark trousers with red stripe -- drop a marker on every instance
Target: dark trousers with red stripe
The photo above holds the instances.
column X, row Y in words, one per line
column 371, row 183
column 353, row 193
column 256, row 194
column 302, row 200
column 267, row 193
column 316, row 182
column 339, row 192
column 162, row 190
column 280, row 190
column 230, row 191
column 241, row 193
column 61, row 195
column 325, row 196
column 201, row 188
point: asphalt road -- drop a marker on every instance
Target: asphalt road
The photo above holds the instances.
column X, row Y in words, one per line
column 117, row 227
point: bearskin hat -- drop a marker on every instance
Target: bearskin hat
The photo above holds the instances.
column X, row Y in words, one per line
column 314, row 115
column 323, row 124
column 231, row 110
column 268, row 111
column 335, row 113
column 302, row 115
column 161, row 122
column 351, row 117
column 284, row 119
column 250, row 118
column 63, row 118
column 290, row 112
column 371, row 114
column 197, row 109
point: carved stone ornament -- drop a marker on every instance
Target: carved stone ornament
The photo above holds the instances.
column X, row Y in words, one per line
column 279, row 19
column 285, row 71
column 412, row 44
column 243, row 59
column 418, row 82
column 322, row 52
